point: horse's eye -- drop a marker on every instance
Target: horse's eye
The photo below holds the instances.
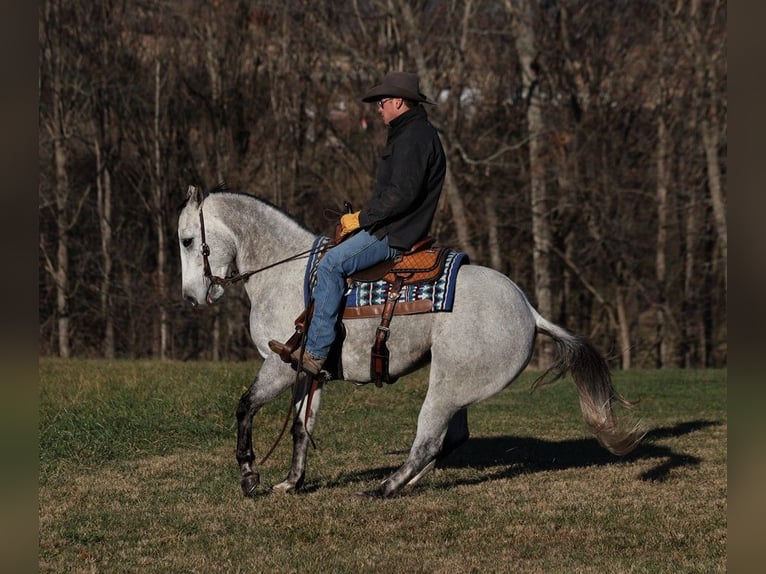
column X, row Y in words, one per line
column 187, row 242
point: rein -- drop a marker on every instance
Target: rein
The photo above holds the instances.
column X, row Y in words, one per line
column 215, row 280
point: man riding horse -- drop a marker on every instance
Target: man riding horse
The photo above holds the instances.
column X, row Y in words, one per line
column 408, row 185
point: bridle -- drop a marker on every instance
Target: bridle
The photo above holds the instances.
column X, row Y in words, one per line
column 222, row 282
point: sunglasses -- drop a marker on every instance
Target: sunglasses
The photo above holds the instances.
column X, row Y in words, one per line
column 382, row 102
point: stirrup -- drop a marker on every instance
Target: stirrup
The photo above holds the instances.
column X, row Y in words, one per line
column 284, row 350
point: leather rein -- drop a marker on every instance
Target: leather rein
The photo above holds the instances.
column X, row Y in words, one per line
column 236, row 277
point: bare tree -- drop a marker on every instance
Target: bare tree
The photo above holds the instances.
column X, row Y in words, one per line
column 452, row 193
column 102, row 46
column 709, row 50
column 59, row 118
column 663, row 178
column 522, row 15
column 157, row 197
column 104, row 207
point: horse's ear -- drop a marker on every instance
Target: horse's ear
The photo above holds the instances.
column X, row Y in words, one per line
column 194, row 193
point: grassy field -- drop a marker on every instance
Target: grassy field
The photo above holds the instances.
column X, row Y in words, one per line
column 137, row 474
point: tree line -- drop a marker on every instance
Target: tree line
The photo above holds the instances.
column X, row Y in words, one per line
column 586, row 146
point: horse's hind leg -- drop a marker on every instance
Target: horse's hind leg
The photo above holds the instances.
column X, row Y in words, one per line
column 429, row 443
column 301, row 431
column 457, row 434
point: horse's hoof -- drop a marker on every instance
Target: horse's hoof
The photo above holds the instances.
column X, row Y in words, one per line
column 249, row 483
column 283, row 488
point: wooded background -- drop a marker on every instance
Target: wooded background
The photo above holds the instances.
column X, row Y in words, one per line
column 586, row 145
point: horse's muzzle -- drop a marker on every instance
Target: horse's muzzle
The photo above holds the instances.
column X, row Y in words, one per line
column 214, row 292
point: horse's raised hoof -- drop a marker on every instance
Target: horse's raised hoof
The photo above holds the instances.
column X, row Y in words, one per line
column 249, row 483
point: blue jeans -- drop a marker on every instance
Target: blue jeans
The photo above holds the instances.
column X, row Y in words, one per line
column 358, row 252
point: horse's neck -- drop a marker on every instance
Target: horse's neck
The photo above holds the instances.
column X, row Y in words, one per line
column 264, row 236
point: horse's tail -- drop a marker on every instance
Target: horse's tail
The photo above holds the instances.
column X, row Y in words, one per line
column 591, row 374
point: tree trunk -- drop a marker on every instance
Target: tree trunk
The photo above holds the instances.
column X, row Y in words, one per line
column 62, row 251
column 690, row 222
column 705, row 78
column 159, row 222
column 624, row 331
column 709, row 129
column 523, row 27
column 661, row 245
column 216, row 103
column 572, row 66
column 104, row 207
column 162, row 287
column 58, row 132
column 451, row 191
column 457, row 208
column 493, row 234
column 129, row 329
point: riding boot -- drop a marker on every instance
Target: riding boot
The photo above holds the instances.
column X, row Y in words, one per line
column 309, row 363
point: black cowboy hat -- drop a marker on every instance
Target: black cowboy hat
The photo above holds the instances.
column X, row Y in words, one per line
column 398, row 85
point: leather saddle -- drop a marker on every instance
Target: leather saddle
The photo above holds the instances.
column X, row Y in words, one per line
column 423, row 263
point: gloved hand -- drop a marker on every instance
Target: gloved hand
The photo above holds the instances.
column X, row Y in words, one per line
column 348, row 223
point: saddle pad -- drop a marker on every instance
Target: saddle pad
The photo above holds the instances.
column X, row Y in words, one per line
column 364, row 299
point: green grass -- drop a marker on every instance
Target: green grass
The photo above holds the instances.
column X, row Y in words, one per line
column 137, row 474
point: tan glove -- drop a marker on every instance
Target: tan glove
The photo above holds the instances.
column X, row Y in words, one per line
column 348, row 223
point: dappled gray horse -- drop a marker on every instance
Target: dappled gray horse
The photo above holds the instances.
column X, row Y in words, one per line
column 476, row 350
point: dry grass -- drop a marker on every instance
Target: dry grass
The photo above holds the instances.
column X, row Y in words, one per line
column 530, row 492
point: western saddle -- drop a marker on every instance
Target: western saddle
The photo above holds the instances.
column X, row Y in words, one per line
column 423, row 263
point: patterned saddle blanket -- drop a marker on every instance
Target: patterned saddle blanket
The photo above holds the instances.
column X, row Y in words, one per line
column 366, row 298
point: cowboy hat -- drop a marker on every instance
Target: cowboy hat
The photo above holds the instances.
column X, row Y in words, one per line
column 397, row 85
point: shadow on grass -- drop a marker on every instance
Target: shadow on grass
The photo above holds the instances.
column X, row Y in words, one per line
column 506, row 457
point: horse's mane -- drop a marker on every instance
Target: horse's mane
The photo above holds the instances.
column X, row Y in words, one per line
column 223, row 188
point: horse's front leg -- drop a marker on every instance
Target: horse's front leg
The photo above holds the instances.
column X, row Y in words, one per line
column 306, row 406
column 273, row 379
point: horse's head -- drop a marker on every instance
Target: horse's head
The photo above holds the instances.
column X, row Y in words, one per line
column 202, row 236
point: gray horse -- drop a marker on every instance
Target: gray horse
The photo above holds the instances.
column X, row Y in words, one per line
column 476, row 350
